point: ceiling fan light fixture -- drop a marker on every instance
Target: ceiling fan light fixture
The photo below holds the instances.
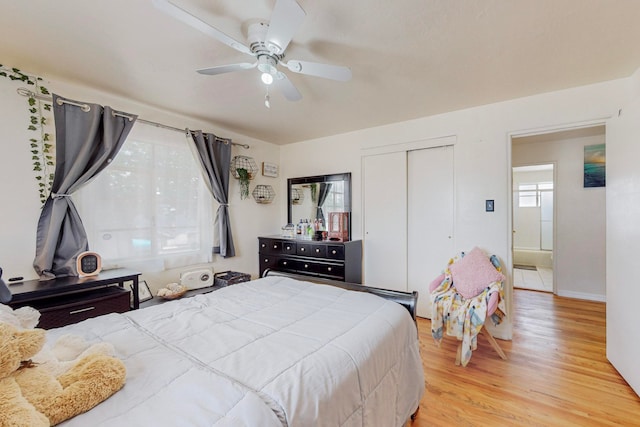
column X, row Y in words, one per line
column 267, row 102
column 266, row 78
column 267, row 65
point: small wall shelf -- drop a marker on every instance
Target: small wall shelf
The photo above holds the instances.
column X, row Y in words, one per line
column 244, row 162
column 263, row 194
column 297, row 196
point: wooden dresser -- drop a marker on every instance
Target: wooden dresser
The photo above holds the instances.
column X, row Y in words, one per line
column 329, row 259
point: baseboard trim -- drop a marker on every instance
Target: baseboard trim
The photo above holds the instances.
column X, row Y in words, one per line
column 582, row 295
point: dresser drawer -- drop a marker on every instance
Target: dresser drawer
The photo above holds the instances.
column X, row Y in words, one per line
column 268, row 261
column 314, row 250
column 289, row 248
column 321, row 269
column 287, row 264
column 270, row 246
column 335, row 252
column 68, row 309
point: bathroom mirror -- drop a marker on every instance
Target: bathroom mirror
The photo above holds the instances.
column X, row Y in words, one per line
column 314, row 197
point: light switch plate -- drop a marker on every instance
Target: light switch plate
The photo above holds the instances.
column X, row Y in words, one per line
column 488, row 205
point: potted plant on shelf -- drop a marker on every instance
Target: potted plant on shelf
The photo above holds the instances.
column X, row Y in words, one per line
column 243, row 177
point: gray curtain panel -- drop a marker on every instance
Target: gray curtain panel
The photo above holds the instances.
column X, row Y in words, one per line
column 214, row 157
column 86, row 142
column 5, row 293
column 323, row 192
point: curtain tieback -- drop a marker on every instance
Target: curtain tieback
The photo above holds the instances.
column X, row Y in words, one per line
column 58, row 195
column 224, row 204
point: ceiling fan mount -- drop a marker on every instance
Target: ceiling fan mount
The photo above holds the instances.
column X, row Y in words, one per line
column 268, row 54
column 258, row 44
column 267, row 42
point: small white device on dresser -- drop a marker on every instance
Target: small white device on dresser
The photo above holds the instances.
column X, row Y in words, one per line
column 197, row 279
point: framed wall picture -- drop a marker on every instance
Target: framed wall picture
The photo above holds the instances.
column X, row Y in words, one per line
column 144, row 293
column 270, row 169
column 594, row 166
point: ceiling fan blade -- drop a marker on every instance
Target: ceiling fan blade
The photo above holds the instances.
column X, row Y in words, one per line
column 333, row 72
column 184, row 16
column 227, row 68
column 284, row 85
column 286, row 18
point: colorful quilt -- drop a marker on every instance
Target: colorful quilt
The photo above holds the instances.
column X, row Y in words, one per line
column 463, row 318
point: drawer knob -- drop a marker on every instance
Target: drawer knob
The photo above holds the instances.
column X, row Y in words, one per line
column 329, row 269
column 275, row 246
column 266, row 260
column 301, row 249
column 334, row 252
column 263, row 245
column 317, row 250
column 284, row 263
column 288, row 247
column 306, row 266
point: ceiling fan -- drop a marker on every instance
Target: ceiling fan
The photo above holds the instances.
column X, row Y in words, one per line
column 267, row 43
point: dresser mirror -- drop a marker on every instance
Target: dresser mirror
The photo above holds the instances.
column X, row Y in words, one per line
column 314, row 197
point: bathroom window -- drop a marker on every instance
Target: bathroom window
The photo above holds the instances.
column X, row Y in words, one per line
column 530, row 195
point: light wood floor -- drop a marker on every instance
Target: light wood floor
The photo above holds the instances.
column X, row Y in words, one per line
column 556, row 373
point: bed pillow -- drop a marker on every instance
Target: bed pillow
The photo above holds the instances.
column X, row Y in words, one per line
column 473, row 273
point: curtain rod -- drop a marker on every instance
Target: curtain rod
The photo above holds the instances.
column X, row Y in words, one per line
column 26, row 92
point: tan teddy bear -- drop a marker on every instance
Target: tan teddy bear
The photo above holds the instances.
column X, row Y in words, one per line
column 64, row 353
column 67, row 351
column 31, row 396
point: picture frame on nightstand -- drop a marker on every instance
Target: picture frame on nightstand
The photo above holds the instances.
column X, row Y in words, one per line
column 144, row 293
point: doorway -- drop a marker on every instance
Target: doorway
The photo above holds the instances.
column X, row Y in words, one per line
column 578, row 245
column 533, row 236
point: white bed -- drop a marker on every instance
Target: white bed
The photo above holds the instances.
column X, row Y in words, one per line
column 270, row 352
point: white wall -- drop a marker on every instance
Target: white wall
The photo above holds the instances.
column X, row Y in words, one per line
column 623, row 238
column 482, row 157
column 579, row 248
column 21, row 207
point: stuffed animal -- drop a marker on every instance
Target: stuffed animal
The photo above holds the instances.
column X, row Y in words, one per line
column 22, row 318
column 64, row 353
column 67, row 351
column 31, row 396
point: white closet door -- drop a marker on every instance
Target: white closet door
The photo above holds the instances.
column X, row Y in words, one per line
column 385, row 220
column 429, row 219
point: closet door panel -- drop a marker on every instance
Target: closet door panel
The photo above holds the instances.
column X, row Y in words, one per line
column 429, row 219
column 385, row 220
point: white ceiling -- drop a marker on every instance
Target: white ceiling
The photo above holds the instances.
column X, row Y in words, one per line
column 410, row 58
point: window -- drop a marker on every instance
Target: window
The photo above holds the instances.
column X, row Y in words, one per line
column 529, row 195
column 150, row 205
column 335, row 199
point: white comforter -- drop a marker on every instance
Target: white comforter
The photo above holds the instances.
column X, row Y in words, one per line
column 269, row 352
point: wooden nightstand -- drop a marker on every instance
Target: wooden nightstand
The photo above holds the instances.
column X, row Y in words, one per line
column 67, row 300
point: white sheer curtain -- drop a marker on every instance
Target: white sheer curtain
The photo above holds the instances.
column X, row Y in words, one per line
column 150, row 210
